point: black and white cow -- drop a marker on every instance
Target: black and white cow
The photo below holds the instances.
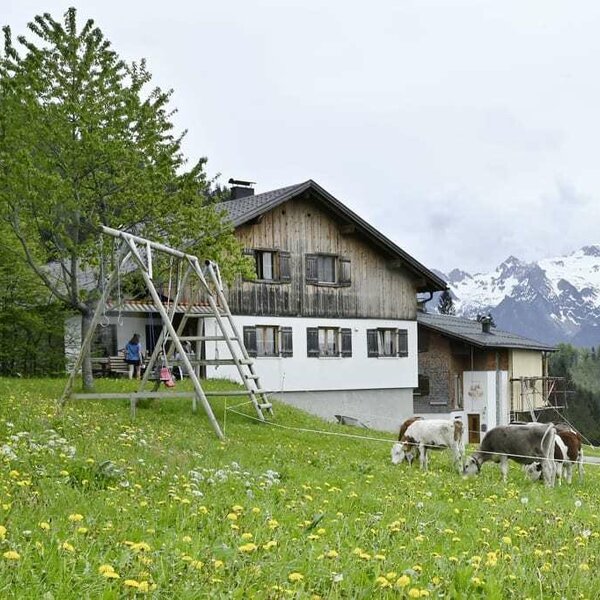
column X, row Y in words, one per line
column 524, row 444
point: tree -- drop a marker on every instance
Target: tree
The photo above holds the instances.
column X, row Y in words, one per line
column 446, row 304
column 83, row 143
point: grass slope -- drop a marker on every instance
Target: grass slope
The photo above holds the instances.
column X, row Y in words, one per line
column 94, row 506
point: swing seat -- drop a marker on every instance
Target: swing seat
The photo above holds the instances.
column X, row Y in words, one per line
column 166, row 377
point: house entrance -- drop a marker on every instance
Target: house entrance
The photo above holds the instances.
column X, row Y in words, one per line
column 474, row 424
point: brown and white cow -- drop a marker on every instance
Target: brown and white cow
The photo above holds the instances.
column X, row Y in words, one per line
column 524, row 444
column 433, row 434
column 567, row 452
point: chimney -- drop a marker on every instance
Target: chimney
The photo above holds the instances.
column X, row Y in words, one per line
column 486, row 323
column 241, row 189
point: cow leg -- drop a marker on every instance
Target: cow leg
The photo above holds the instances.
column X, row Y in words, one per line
column 504, row 467
column 424, row 457
column 548, row 472
column 580, row 465
column 558, row 470
column 568, row 468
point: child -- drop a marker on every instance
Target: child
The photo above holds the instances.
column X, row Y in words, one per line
column 133, row 356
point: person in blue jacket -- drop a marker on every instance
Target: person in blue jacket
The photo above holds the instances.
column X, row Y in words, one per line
column 133, row 356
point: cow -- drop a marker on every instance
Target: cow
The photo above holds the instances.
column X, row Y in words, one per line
column 522, row 443
column 422, row 435
column 398, row 454
column 567, row 452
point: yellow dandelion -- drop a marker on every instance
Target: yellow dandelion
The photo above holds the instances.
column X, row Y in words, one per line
column 270, row 544
column 105, row 569
column 247, row 548
column 506, row 539
column 144, row 586
column 414, row 593
column 382, row 582
column 391, row 575
column 75, row 518
column 247, row 536
column 132, row 583
column 331, row 554
column 44, row 526
column 217, row 564
column 256, row 510
column 12, row 555
column 272, row 524
column 82, row 530
column 2, row 532
column 379, row 557
column 584, row 567
column 187, row 538
column 68, row 547
column 140, row 547
column 237, row 508
column 202, row 510
column 232, row 516
column 402, row 581
column 295, row 576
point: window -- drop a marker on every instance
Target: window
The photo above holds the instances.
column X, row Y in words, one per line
column 387, row 342
column 328, row 342
column 268, row 340
column 327, row 269
column 271, row 265
column 423, row 340
column 423, row 389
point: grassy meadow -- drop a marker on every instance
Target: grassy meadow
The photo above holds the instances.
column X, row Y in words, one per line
column 93, row 505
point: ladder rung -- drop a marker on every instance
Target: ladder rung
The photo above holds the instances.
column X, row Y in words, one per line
column 265, row 406
column 251, row 376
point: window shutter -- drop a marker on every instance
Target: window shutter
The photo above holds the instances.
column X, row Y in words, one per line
column 345, row 270
column 250, row 340
column 424, row 385
column 285, row 273
column 372, row 345
column 287, row 349
column 346, row 342
column 312, row 341
column 312, row 268
column 402, row 342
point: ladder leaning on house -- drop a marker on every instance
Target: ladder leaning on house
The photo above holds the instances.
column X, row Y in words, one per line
column 139, row 250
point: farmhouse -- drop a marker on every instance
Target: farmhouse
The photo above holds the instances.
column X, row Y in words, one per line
column 331, row 316
column 492, row 376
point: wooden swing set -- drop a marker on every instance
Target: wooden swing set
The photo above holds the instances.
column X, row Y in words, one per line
column 137, row 251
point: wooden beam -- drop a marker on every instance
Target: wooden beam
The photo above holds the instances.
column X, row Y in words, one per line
column 348, row 229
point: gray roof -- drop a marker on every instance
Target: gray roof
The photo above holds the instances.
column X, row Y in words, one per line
column 470, row 331
column 242, row 210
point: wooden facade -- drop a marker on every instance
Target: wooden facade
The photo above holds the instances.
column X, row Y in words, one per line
column 379, row 285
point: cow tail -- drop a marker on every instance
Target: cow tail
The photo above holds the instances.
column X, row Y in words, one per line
column 548, row 449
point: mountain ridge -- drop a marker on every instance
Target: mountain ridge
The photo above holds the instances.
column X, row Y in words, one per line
column 552, row 300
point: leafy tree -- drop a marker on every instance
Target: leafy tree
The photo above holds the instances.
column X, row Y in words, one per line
column 446, row 304
column 83, row 142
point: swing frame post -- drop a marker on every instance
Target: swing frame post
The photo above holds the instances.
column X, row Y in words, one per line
column 87, row 341
column 175, row 339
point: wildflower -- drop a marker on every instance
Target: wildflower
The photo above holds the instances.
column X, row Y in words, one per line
column 217, row 564
column 506, row 539
column 82, row 530
column 379, row 557
column 248, row 547
column 68, row 547
column 391, row 575
column 131, row 583
column 270, row 544
column 331, row 554
column 12, row 555
column 492, row 559
column 402, row 581
column 140, row 547
column 187, row 538
column 476, row 581
column 2, row 532
column 294, row 577
column 44, row 526
column 256, row 510
column 584, row 567
column 272, row 524
column 237, row 508
column 232, row 516
column 382, row 582
column 202, row 510
column 414, row 593
column 577, row 503
column 247, row 536
column 337, row 577
column 75, row 518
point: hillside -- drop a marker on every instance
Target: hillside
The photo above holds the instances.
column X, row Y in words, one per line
column 554, row 300
column 92, row 505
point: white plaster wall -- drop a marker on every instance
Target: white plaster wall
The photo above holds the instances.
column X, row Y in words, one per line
column 383, row 410
column 303, row 373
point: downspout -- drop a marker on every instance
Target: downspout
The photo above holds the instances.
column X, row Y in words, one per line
column 498, row 379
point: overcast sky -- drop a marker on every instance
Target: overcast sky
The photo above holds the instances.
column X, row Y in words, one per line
column 464, row 130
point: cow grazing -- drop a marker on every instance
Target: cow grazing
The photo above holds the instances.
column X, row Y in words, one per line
column 422, row 435
column 567, row 452
column 524, row 444
column 398, row 454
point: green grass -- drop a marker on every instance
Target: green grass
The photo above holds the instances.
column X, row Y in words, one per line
column 177, row 514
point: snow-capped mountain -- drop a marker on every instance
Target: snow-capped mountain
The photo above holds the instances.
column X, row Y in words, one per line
column 553, row 300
